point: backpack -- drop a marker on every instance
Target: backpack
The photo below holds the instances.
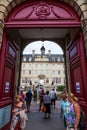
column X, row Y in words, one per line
column 28, row 96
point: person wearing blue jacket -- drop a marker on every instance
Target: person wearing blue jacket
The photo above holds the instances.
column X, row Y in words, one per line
column 28, row 99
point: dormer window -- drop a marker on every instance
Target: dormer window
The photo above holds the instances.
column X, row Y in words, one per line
column 58, row 59
column 53, row 58
column 30, row 58
column 24, row 59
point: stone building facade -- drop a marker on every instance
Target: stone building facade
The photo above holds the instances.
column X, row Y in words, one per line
column 47, row 71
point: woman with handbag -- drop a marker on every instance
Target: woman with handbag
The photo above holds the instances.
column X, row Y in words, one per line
column 19, row 106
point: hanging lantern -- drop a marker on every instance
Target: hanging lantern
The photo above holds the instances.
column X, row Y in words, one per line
column 42, row 50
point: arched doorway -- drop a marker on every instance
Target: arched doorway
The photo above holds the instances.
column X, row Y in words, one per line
column 55, row 21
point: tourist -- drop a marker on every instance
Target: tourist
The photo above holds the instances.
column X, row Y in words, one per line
column 19, row 114
column 35, row 94
column 47, row 102
column 41, row 95
column 73, row 117
column 65, row 106
column 53, row 97
column 28, row 99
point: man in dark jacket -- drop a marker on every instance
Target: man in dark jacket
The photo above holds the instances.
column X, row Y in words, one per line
column 28, row 99
column 41, row 95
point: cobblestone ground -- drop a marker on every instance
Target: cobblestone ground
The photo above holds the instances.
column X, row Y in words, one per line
column 36, row 121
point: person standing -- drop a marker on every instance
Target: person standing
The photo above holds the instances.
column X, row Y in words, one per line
column 35, row 94
column 73, row 117
column 28, row 99
column 41, row 95
column 53, row 97
column 47, row 102
column 64, row 92
column 16, row 118
column 65, row 106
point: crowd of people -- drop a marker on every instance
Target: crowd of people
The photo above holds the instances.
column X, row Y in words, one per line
column 70, row 108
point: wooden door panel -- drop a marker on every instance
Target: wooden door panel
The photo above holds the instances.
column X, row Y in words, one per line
column 8, row 62
column 8, row 81
column 77, row 82
column 78, row 70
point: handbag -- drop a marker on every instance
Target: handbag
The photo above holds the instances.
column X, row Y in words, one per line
column 82, row 122
column 43, row 108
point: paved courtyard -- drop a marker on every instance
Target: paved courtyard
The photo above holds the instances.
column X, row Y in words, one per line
column 36, row 121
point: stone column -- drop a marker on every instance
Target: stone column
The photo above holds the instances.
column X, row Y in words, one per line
column 67, row 67
column 1, row 32
column 19, row 69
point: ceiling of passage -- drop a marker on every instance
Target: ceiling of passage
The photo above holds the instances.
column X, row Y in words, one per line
column 44, row 33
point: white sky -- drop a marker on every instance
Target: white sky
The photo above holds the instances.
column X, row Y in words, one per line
column 55, row 49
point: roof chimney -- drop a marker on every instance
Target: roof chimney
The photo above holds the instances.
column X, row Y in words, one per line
column 33, row 52
column 49, row 51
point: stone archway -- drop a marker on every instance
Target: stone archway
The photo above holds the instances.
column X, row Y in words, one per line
column 43, row 15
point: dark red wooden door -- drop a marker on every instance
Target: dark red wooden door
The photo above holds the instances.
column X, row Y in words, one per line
column 8, row 58
column 78, row 70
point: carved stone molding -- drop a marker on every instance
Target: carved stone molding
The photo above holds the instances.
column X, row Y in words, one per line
column 41, row 76
column 40, row 11
column 43, row 10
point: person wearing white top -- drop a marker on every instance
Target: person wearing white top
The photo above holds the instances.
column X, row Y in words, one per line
column 53, row 97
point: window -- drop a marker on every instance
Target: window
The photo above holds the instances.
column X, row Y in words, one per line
column 46, row 65
column 36, row 65
column 23, row 80
column 59, row 80
column 23, row 71
column 30, row 58
column 24, row 59
column 23, row 65
column 47, row 80
column 64, row 80
column 54, row 80
column 53, row 58
column 58, row 71
column 64, row 71
column 36, row 81
column 47, row 71
column 29, row 65
column 53, row 71
column 58, row 59
column 26, row 80
column 59, row 65
column 62, row 59
column 36, row 72
column 29, row 71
